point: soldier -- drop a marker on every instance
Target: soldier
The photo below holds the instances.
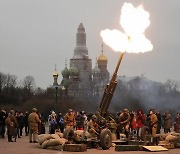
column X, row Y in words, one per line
column 167, row 122
column 11, row 123
column 124, row 119
column 33, row 120
column 69, row 119
column 93, row 126
column 153, row 124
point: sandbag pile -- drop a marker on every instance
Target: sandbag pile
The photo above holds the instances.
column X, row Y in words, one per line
column 50, row 140
column 78, row 134
column 169, row 140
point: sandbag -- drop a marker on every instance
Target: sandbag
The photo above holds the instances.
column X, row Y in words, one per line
column 79, row 133
column 62, row 141
column 43, row 137
column 171, row 138
column 60, row 134
column 175, row 134
column 44, row 144
column 55, row 142
column 55, row 136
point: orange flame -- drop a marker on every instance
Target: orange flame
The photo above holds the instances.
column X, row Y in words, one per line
column 134, row 21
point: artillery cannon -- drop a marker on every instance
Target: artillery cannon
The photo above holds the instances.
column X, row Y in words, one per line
column 105, row 120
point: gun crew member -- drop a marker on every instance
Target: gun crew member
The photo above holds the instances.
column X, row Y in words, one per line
column 124, row 119
column 69, row 119
column 93, row 127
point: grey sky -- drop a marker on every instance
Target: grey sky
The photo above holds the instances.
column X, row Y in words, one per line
column 36, row 34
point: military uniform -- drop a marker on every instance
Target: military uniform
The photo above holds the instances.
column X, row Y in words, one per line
column 93, row 128
column 69, row 120
column 11, row 123
column 33, row 120
column 124, row 120
column 153, row 124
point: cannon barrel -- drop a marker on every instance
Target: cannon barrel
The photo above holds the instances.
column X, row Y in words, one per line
column 109, row 90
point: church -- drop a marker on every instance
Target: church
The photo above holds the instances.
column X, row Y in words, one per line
column 80, row 80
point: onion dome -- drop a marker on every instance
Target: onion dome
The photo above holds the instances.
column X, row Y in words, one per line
column 102, row 57
column 65, row 82
column 65, row 72
column 73, row 71
column 55, row 74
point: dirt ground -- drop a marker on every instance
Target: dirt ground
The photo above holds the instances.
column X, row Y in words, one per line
column 22, row 146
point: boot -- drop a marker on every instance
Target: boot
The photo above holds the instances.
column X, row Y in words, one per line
column 155, row 141
column 10, row 138
column 30, row 137
column 35, row 137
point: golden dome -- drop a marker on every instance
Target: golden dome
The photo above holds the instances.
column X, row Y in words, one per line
column 102, row 57
column 55, row 73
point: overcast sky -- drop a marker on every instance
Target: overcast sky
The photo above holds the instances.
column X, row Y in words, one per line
column 37, row 34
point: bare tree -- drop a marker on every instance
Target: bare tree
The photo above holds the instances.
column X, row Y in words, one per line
column 2, row 81
column 29, row 83
column 171, row 86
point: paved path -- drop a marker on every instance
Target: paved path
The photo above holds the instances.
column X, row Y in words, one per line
column 22, row 146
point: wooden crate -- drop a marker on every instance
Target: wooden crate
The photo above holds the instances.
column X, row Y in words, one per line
column 126, row 147
column 75, row 147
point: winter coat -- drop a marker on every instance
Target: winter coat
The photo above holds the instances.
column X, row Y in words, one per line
column 69, row 119
column 141, row 120
column 167, row 122
column 33, row 120
column 11, row 123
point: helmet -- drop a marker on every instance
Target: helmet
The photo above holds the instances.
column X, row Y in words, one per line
column 70, row 110
column 34, row 110
column 125, row 110
column 94, row 117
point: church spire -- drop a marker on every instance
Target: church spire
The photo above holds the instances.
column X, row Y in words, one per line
column 102, row 48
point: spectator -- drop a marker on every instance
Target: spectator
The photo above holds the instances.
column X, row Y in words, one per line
column 134, row 124
column 159, row 122
column 53, row 122
column 60, row 122
column 3, row 116
column 26, row 123
column 21, row 123
column 141, row 118
column 177, row 123
column 79, row 121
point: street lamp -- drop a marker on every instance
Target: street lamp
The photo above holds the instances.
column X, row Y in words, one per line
column 55, row 84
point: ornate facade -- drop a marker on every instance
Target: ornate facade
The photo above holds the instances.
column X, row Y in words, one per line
column 80, row 80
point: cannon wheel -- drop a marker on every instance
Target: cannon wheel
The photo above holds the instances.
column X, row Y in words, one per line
column 68, row 133
column 105, row 139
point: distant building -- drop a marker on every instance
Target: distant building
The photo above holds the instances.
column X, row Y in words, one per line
column 138, row 82
column 80, row 80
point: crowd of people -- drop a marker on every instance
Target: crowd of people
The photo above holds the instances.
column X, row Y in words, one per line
column 128, row 122
column 13, row 123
